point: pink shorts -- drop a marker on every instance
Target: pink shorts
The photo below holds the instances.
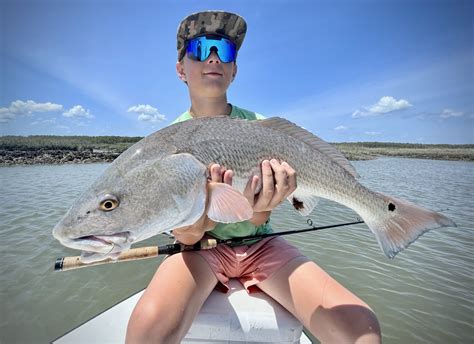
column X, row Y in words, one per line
column 249, row 264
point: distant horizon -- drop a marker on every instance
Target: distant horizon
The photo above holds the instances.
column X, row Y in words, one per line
column 348, row 71
column 332, row 142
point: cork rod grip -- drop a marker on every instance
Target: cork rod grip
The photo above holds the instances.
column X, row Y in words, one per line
column 71, row 263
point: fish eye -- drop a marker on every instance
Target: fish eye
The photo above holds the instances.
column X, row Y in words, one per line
column 109, row 203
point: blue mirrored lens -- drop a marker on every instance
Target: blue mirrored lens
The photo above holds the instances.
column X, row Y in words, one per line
column 200, row 48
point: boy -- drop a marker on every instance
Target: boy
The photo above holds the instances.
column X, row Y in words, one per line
column 207, row 48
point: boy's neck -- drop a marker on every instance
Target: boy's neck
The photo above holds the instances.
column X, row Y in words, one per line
column 210, row 107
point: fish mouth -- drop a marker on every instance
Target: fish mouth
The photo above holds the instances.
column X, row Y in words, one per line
column 97, row 247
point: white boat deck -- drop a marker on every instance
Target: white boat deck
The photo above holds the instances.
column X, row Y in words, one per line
column 235, row 317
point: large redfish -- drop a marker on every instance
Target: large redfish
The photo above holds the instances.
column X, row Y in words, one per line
column 161, row 183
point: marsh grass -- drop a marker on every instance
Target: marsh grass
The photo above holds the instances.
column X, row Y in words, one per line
column 371, row 150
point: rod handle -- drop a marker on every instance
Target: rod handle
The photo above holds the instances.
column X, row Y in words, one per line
column 71, row 263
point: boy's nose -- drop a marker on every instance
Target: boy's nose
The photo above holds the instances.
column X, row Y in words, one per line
column 213, row 58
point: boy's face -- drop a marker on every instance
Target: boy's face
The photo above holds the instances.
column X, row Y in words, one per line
column 209, row 78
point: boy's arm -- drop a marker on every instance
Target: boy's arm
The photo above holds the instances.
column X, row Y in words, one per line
column 190, row 235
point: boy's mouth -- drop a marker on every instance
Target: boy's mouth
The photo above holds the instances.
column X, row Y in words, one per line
column 213, row 73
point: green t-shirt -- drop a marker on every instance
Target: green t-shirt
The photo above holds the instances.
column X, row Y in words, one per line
column 244, row 228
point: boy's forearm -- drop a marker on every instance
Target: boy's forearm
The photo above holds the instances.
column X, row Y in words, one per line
column 188, row 238
column 190, row 235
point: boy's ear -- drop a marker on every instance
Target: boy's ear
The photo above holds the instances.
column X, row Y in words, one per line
column 180, row 71
column 234, row 72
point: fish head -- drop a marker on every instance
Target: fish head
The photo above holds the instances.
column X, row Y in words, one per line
column 126, row 205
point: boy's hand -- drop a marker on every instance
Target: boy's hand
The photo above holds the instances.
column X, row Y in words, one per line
column 278, row 182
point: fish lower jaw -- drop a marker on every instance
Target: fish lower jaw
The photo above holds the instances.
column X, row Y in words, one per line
column 91, row 257
column 100, row 244
column 101, row 247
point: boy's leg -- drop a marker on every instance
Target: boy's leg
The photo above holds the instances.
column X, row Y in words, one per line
column 331, row 312
column 173, row 298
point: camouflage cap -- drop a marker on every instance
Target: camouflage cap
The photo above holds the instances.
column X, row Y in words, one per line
column 229, row 25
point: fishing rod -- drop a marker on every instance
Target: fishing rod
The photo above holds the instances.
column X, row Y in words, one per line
column 71, row 263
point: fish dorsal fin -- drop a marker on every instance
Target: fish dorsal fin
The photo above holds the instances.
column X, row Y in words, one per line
column 291, row 129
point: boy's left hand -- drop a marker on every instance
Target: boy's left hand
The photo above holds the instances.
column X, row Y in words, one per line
column 278, row 182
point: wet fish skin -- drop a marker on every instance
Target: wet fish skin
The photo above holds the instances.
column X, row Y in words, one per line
column 161, row 182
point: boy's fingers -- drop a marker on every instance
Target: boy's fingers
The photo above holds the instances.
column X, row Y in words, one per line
column 268, row 187
column 228, row 177
column 250, row 189
column 281, row 183
column 216, row 173
column 291, row 173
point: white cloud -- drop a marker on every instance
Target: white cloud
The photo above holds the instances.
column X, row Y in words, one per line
column 389, row 104
column 77, row 112
column 384, row 105
column 447, row 113
column 28, row 108
column 147, row 113
column 372, row 133
column 341, row 127
column 6, row 115
column 44, row 121
column 150, row 118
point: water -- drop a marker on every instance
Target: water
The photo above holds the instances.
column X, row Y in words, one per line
column 425, row 295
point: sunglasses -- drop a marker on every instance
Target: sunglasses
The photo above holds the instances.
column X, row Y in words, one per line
column 200, row 48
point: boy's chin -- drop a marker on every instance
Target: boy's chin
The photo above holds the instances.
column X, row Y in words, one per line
column 214, row 89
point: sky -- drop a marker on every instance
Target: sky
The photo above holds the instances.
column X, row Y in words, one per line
column 359, row 70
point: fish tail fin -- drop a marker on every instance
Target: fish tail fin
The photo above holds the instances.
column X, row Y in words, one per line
column 402, row 223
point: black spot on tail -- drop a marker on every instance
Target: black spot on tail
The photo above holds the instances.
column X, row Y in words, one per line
column 391, row 207
column 297, row 203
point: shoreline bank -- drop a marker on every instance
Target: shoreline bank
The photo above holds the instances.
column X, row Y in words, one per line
column 42, row 150
column 60, row 157
column 54, row 157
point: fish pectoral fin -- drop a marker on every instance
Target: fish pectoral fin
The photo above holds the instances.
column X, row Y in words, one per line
column 303, row 203
column 227, row 205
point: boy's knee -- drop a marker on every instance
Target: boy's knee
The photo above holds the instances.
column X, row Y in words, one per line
column 347, row 324
column 148, row 324
column 371, row 324
column 361, row 325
